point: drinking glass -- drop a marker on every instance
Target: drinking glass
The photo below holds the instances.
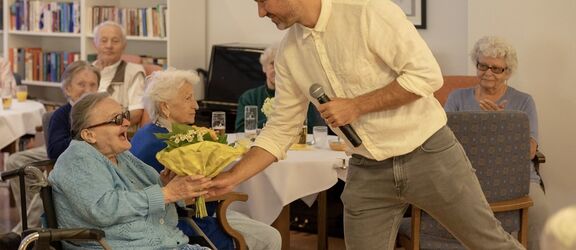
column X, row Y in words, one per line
column 250, row 121
column 320, row 135
column 6, row 98
column 22, row 93
column 219, row 122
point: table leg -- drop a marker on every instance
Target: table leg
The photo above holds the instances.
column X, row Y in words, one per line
column 322, row 221
column 10, row 149
column 282, row 224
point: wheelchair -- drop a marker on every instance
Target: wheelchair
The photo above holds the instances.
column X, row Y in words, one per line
column 43, row 238
column 51, row 236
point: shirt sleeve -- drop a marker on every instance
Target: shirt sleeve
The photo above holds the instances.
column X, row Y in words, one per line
column 92, row 191
column 59, row 135
column 451, row 104
column 282, row 127
column 530, row 109
column 395, row 40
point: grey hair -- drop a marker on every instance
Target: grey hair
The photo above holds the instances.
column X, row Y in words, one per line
column 163, row 86
column 268, row 55
column 75, row 68
column 497, row 47
column 96, row 31
column 81, row 111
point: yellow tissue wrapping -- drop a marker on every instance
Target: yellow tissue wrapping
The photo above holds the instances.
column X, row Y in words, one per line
column 205, row 158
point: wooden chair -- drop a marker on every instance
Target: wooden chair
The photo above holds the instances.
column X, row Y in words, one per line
column 497, row 144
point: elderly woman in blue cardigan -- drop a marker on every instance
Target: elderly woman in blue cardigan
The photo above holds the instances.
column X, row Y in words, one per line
column 98, row 183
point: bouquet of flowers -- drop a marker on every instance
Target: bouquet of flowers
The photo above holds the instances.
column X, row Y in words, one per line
column 195, row 150
column 268, row 107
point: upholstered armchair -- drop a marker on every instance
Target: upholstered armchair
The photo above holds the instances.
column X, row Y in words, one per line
column 497, row 144
column 452, row 82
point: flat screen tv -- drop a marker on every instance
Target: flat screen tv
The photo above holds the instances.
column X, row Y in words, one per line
column 234, row 68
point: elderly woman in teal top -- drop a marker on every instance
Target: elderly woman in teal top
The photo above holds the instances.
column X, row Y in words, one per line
column 496, row 61
column 98, row 183
column 258, row 95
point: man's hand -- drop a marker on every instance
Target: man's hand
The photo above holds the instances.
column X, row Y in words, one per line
column 339, row 112
column 223, row 183
column 488, row 105
column 166, row 176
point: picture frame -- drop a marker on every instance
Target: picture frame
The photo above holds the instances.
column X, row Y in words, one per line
column 415, row 11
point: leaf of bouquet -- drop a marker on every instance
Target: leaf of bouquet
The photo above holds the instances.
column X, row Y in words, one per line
column 163, row 136
column 180, row 128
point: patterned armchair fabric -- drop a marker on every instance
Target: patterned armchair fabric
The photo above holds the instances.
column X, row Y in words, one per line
column 497, row 144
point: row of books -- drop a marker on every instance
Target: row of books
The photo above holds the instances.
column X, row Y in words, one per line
column 34, row 64
column 146, row 22
column 38, row 16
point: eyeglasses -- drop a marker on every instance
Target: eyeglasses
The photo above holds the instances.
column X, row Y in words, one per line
column 117, row 120
column 495, row 70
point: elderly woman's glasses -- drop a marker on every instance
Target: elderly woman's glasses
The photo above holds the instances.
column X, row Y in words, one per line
column 495, row 70
column 117, row 120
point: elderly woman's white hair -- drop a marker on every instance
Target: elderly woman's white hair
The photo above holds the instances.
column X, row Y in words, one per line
column 96, row 31
column 497, row 47
column 268, row 55
column 163, row 86
column 560, row 230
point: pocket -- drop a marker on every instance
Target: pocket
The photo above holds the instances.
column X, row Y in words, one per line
column 440, row 141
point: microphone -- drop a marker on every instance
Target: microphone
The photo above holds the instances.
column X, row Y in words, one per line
column 317, row 92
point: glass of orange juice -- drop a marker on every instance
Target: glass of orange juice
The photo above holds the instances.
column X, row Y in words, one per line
column 6, row 99
column 22, row 93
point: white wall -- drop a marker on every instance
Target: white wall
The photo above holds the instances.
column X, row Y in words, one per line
column 238, row 21
column 543, row 34
column 446, row 34
column 234, row 21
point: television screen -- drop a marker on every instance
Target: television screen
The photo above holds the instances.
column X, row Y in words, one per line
column 234, row 68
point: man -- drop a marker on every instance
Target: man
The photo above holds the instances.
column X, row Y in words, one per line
column 381, row 77
column 124, row 81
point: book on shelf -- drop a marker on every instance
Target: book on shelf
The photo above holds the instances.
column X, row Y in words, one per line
column 34, row 64
column 144, row 22
column 39, row 16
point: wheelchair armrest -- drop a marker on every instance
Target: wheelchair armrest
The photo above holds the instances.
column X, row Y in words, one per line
column 223, row 202
column 46, row 236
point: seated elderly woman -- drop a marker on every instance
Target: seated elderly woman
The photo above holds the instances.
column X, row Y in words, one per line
column 169, row 98
column 496, row 61
column 78, row 78
column 98, row 183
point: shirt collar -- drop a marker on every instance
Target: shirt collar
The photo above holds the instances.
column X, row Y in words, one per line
column 110, row 67
column 325, row 13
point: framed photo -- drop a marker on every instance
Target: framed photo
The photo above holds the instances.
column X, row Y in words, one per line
column 415, row 11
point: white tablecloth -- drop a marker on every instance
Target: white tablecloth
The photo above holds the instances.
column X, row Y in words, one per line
column 22, row 118
column 302, row 174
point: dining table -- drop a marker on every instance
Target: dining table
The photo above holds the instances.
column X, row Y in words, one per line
column 304, row 174
column 20, row 119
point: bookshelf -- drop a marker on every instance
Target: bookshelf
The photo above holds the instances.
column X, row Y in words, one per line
column 184, row 26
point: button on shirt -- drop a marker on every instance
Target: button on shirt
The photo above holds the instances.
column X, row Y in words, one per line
column 357, row 47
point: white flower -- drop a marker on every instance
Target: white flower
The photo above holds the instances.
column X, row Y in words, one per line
column 268, row 106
